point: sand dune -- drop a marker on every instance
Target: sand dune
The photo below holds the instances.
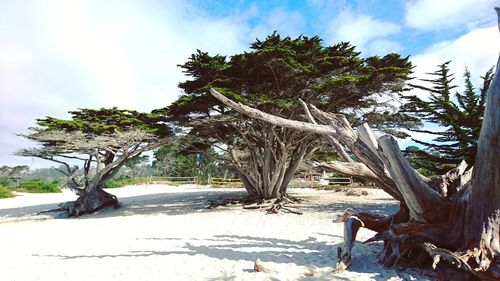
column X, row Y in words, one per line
column 166, row 233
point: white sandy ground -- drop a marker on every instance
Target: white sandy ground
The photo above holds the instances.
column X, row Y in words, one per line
column 166, row 233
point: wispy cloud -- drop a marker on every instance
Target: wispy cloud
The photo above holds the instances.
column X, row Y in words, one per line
column 62, row 55
column 369, row 34
column 290, row 23
column 477, row 50
column 445, row 14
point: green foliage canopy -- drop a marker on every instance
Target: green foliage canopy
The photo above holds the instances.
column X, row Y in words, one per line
column 278, row 71
column 106, row 121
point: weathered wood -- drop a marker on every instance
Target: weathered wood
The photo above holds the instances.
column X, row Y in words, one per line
column 449, row 183
column 353, row 220
column 349, row 168
column 257, row 114
column 344, row 253
column 339, row 128
column 424, row 203
column 367, row 151
column 89, row 201
column 333, row 142
column 260, row 266
column 367, row 136
column 485, row 196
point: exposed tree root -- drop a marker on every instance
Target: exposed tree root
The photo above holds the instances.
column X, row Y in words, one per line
column 277, row 207
column 88, row 202
column 260, row 266
column 233, row 201
column 280, row 204
column 283, row 204
column 409, row 244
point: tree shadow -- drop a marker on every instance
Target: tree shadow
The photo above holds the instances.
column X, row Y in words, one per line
column 180, row 203
column 379, row 205
column 308, row 253
column 175, row 203
column 237, row 248
column 373, row 206
column 11, row 214
column 169, row 203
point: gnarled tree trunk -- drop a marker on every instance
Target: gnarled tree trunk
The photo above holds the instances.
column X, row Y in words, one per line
column 267, row 167
column 90, row 199
column 453, row 218
column 91, row 196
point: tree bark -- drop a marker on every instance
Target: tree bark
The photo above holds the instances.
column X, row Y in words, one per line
column 339, row 128
column 90, row 200
column 485, row 196
column 268, row 165
column 424, row 203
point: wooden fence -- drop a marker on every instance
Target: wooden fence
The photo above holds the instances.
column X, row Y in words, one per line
column 225, row 182
column 236, row 182
column 318, row 182
column 173, row 180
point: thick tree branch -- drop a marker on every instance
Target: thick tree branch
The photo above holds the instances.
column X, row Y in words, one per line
column 257, row 114
column 350, row 168
column 335, row 143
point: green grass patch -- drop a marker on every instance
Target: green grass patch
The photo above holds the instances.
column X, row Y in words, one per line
column 5, row 192
column 124, row 181
column 38, row 186
column 336, row 188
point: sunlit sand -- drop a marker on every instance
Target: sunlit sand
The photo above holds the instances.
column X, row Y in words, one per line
column 167, row 233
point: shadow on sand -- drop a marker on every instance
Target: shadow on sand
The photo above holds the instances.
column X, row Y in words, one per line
column 309, row 253
column 180, row 203
column 174, row 203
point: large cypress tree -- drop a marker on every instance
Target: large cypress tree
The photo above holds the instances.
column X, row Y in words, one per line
column 272, row 76
column 460, row 114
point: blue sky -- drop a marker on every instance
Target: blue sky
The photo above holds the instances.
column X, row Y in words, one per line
column 60, row 55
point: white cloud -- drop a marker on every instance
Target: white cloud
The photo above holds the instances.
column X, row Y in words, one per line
column 57, row 56
column 477, row 50
column 442, row 14
column 367, row 33
column 287, row 23
column 383, row 46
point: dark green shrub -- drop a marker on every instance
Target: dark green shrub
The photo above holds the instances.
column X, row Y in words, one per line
column 5, row 181
column 38, row 186
column 5, row 192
